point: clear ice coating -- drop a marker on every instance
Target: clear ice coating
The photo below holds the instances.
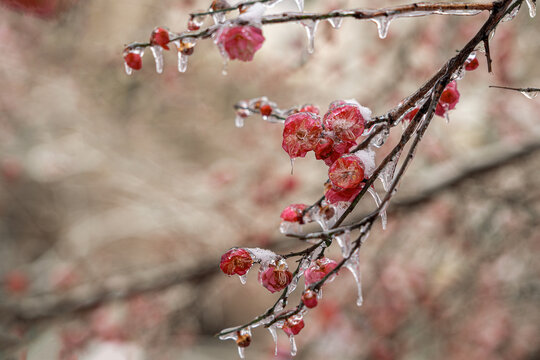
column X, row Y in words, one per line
column 272, row 3
column 530, row 94
column 263, row 256
column 387, row 174
column 383, row 23
column 273, row 332
column 253, row 14
column 241, row 352
column 290, row 228
column 218, row 17
column 294, row 350
column 532, row 8
column 157, row 52
column 512, row 14
column 344, row 243
column 335, row 22
column 311, row 27
column 300, row 4
column 353, row 264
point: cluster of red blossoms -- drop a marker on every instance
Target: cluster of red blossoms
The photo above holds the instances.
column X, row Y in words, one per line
column 275, row 276
column 330, row 138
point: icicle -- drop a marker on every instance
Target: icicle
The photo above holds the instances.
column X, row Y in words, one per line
column 463, row 12
column 353, row 264
column 292, row 165
column 273, row 332
column 241, row 352
column 239, row 121
column 218, row 18
column 224, row 71
column 335, row 22
column 387, row 174
column 384, row 217
column 293, row 345
column 157, row 51
column 375, row 196
column 511, row 15
column 344, row 242
column 129, row 70
column 304, row 264
column 532, row 8
column 182, row 62
column 383, row 23
column 243, row 278
column 300, row 4
column 530, row 94
column 311, row 27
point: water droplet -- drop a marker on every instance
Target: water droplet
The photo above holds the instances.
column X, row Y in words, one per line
column 294, row 350
column 157, row 52
column 512, row 14
column 353, row 264
column 532, row 8
column 530, row 94
column 311, row 27
column 383, row 23
column 273, row 332
column 335, row 22
column 300, row 4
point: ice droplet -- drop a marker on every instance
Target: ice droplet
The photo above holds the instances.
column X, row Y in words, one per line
column 387, row 174
column 532, row 8
column 273, row 332
column 157, row 52
column 383, row 23
column 353, row 264
column 311, row 27
column 335, row 22
column 294, row 350
column 530, row 94
column 300, row 4
column 512, row 14
column 344, row 242
column 243, row 278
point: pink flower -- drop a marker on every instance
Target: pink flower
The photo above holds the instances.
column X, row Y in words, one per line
column 241, row 42
column 346, row 121
column 309, row 298
column 275, row 278
column 293, row 213
column 293, row 325
column 319, row 269
column 160, row 37
column 449, row 99
column 301, row 134
column 236, row 261
column 347, row 172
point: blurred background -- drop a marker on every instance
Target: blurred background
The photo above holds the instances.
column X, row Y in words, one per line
column 118, row 194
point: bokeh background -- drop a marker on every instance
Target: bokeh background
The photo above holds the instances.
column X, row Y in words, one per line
column 118, row 194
